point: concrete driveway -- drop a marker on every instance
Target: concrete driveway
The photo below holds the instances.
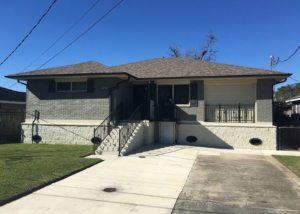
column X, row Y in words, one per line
column 171, row 179
column 144, row 185
column 232, row 183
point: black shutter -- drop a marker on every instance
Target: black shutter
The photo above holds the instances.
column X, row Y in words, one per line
column 51, row 86
column 194, row 90
column 90, row 86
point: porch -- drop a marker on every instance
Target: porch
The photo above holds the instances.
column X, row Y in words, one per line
column 187, row 112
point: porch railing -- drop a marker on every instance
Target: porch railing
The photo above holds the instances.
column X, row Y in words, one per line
column 129, row 126
column 105, row 127
column 230, row 113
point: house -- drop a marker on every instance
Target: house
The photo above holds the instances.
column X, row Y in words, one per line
column 11, row 100
column 12, row 108
column 294, row 103
column 165, row 100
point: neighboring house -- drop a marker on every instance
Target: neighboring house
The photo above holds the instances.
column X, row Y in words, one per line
column 184, row 101
column 12, row 109
column 294, row 103
column 11, row 100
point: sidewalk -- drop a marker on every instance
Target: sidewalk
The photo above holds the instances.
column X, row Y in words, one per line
column 143, row 185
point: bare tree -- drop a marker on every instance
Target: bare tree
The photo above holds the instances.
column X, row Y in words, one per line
column 206, row 53
column 174, row 52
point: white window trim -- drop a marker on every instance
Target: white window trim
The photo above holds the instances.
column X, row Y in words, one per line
column 71, row 88
column 172, row 84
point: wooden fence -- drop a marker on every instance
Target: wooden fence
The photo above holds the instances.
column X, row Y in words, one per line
column 288, row 137
column 10, row 127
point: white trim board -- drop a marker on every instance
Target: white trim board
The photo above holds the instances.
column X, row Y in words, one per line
column 12, row 102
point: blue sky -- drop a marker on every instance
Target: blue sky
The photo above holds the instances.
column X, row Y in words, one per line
column 247, row 32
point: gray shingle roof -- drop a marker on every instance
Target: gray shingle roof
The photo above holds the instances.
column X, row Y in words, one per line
column 89, row 67
column 10, row 95
column 182, row 67
column 154, row 68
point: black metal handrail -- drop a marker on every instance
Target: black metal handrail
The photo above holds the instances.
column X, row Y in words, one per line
column 130, row 125
column 230, row 113
column 105, row 127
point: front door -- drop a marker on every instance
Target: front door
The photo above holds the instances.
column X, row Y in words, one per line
column 165, row 103
column 141, row 97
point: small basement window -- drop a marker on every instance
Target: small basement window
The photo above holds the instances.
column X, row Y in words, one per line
column 71, row 86
column 181, row 94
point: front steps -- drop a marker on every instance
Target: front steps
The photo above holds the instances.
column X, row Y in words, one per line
column 110, row 145
column 135, row 141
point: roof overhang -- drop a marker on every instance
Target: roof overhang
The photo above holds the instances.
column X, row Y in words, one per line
column 12, row 102
column 48, row 76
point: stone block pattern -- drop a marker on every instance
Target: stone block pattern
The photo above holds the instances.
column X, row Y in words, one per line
column 226, row 136
column 59, row 134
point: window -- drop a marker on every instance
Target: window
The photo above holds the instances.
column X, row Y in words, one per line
column 79, row 86
column 71, row 86
column 63, row 86
column 181, row 94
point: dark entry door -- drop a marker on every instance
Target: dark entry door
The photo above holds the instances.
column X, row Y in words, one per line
column 141, row 97
column 165, row 102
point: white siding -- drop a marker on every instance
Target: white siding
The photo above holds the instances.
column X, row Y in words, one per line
column 229, row 93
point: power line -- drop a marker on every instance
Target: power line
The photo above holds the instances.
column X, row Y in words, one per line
column 9, row 87
column 82, row 34
column 63, row 34
column 293, row 54
column 7, row 81
column 297, row 81
column 29, row 33
column 275, row 60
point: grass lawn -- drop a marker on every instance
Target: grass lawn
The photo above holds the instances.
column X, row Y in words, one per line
column 26, row 166
column 291, row 162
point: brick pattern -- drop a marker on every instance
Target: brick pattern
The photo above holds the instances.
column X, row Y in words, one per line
column 76, row 106
column 195, row 112
column 264, row 102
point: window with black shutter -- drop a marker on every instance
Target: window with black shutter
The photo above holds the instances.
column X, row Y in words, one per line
column 51, row 86
column 90, row 86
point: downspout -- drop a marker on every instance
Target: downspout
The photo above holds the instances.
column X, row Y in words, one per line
column 23, row 83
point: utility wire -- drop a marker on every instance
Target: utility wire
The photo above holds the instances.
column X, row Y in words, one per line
column 82, row 34
column 63, row 34
column 297, row 81
column 15, row 83
column 7, row 81
column 58, row 126
column 293, row 54
column 29, row 33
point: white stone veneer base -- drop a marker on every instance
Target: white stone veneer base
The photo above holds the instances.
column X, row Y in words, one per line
column 60, row 134
column 214, row 135
column 228, row 136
